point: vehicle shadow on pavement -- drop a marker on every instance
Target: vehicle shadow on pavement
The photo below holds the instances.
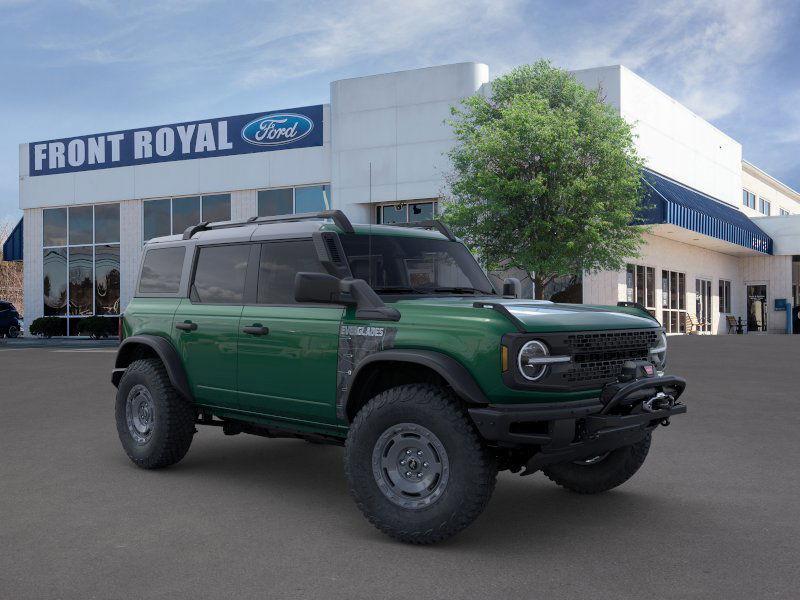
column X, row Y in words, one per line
column 530, row 513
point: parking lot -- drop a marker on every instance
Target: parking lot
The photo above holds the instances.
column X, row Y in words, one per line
column 712, row 514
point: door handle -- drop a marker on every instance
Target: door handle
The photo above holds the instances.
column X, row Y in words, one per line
column 256, row 329
column 186, row 326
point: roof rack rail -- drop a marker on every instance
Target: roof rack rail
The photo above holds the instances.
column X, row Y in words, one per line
column 435, row 223
column 192, row 229
column 337, row 216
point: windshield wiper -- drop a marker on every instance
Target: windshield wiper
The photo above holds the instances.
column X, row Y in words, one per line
column 462, row 290
column 396, row 290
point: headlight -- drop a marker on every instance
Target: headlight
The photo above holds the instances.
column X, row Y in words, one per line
column 658, row 353
column 533, row 359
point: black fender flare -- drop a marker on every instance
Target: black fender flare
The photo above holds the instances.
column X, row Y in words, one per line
column 166, row 353
column 453, row 372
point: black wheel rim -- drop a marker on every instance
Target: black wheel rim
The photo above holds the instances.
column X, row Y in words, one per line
column 139, row 413
column 410, row 466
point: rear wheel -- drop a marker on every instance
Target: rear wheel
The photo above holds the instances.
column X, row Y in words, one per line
column 415, row 465
column 155, row 424
column 601, row 473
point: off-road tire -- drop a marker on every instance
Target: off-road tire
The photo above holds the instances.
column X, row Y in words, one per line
column 471, row 475
column 613, row 470
column 173, row 420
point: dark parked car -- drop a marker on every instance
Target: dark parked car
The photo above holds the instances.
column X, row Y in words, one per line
column 9, row 320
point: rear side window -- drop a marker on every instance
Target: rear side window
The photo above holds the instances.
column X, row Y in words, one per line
column 220, row 274
column 280, row 262
column 161, row 270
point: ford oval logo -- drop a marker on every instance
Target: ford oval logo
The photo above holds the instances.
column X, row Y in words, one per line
column 277, row 129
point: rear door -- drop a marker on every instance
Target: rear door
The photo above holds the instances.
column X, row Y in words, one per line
column 207, row 323
column 288, row 351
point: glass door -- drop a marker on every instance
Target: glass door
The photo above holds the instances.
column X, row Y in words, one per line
column 702, row 296
column 756, row 307
column 673, row 301
column 641, row 286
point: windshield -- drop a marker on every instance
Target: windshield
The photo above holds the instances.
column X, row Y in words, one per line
column 412, row 265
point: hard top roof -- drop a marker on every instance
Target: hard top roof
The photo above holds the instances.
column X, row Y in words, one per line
column 294, row 226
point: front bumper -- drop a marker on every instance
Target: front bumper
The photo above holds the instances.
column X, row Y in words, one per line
column 564, row 431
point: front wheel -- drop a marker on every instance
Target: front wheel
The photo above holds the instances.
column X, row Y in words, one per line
column 415, row 465
column 13, row 331
column 601, row 473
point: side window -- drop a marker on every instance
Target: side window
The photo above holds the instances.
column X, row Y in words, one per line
column 161, row 270
column 280, row 262
column 220, row 274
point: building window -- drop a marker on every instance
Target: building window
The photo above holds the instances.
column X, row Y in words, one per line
column 673, row 301
column 185, row 213
column 406, row 212
column 785, row 213
column 293, row 200
column 764, row 206
column 168, row 216
column 725, row 297
column 749, row 199
column 641, row 286
column 81, row 266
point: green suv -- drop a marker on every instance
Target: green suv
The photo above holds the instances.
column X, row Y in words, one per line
column 392, row 342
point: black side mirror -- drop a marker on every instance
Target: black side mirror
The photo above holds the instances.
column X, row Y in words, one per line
column 327, row 289
column 317, row 287
column 512, row 288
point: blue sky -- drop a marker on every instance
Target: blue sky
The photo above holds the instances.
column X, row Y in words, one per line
column 69, row 68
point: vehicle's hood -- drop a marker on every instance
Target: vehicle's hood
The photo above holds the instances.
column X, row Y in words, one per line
column 542, row 316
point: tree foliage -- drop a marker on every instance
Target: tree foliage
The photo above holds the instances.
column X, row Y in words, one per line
column 546, row 177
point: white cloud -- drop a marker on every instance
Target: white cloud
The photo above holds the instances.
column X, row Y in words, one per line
column 353, row 32
column 705, row 50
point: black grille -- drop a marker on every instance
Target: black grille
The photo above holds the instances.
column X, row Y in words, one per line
column 599, row 356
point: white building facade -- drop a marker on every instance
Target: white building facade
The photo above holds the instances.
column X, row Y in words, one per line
column 378, row 151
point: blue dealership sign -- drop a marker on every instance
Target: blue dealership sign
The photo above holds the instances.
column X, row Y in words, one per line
column 241, row 134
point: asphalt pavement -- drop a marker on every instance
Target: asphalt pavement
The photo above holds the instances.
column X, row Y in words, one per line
column 713, row 513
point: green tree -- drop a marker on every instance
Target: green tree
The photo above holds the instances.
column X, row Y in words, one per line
column 546, row 177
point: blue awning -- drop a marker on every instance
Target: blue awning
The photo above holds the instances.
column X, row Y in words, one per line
column 676, row 204
column 12, row 247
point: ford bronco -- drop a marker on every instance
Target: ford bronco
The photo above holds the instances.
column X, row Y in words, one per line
column 393, row 342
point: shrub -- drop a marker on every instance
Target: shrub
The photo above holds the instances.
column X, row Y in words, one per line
column 48, row 326
column 97, row 327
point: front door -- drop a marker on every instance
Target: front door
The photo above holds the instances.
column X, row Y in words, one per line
column 288, row 351
column 703, row 303
column 207, row 323
column 756, row 307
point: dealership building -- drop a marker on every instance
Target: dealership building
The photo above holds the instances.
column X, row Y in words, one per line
column 724, row 238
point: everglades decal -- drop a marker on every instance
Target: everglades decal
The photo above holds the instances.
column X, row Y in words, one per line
column 356, row 342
